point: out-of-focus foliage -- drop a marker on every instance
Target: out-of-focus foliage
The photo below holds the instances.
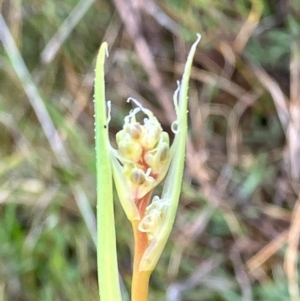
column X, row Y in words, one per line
column 237, row 222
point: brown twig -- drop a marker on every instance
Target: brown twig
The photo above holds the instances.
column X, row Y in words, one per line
column 130, row 14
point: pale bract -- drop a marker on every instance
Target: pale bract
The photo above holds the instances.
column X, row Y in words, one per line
column 154, row 217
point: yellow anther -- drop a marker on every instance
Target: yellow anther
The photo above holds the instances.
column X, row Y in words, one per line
column 141, row 190
column 130, row 149
column 162, row 152
column 152, row 132
column 137, row 176
column 135, row 130
column 120, row 135
column 157, row 158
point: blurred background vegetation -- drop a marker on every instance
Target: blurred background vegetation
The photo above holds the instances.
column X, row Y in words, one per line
column 237, row 230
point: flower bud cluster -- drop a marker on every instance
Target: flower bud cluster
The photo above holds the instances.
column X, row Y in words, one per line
column 144, row 151
column 154, row 216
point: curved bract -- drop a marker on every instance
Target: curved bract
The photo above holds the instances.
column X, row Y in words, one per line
column 172, row 187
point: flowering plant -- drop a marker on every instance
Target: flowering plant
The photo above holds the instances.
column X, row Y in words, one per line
column 143, row 158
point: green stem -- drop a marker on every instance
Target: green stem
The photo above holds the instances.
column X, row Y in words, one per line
column 140, row 279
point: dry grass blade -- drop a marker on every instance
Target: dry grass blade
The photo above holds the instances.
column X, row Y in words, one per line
column 255, row 262
column 295, row 75
column 249, row 26
column 46, row 122
column 162, row 18
column 291, row 255
column 32, row 93
column 241, row 275
column 280, row 100
column 293, row 131
column 234, row 137
column 294, row 152
column 15, row 20
column 64, row 31
column 190, row 232
column 175, row 290
column 131, row 16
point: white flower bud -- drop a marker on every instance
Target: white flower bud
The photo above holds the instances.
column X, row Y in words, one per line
column 129, row 149
column 154, row 216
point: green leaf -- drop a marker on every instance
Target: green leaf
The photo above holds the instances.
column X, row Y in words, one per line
column 108, row 277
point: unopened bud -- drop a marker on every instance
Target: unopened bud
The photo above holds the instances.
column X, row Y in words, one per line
column 153, row 218
column 152, row 131
column 162, row 152
column 130, row 149
column 141, row 189
column 137, row 176
column 120, row 135
column 157, row 158
column 135, row 130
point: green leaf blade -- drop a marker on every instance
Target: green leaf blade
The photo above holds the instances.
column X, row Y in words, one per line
column 108, row 277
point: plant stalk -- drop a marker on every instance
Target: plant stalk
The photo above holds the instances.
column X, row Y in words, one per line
column 140, row 279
